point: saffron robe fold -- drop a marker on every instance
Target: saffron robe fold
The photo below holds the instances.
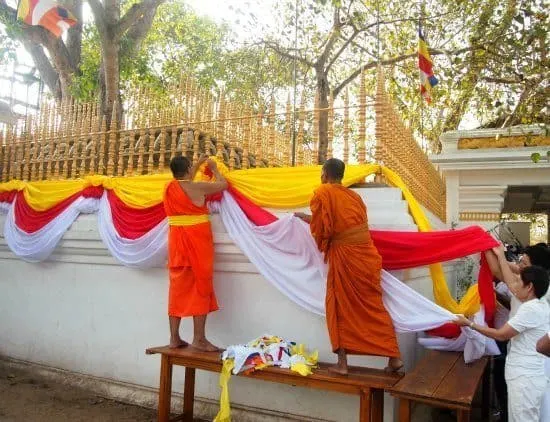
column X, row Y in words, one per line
column 190, row 257
column 357, row 320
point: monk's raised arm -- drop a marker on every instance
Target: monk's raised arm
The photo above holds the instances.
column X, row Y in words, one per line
column 214, row 187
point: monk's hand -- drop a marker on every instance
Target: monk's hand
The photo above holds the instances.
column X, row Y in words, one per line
column 303, row 216
column 202, row 159
column 211, row 164
column 462, row 321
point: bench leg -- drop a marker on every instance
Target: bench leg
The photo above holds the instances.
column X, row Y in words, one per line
column 165, row 389
column 463, row 416
column 404, row 410
column 377, row 405
column 189, row 394
column 365, row 406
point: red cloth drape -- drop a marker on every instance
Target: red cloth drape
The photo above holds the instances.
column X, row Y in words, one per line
column 30, row 220
column 401, row 250
column 8, row 196
column 133, row 223
column 449, row 330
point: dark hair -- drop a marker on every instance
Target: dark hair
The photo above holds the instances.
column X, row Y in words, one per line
column 334, row 168
column 538, row 276
column 538, row 255
column 180, row 166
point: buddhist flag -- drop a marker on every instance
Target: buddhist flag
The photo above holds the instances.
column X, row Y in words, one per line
column 427, row 78
column 46, row 13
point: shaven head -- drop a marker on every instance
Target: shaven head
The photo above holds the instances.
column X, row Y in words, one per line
column 180, row 167
column 333, row 171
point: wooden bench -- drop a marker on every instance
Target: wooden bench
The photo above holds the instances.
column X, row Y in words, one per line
column 369, row 384
column 442, row 379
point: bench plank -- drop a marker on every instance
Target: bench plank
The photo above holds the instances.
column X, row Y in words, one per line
column 441, row 379
column 367, row 383
column 426, row 377
column 353, row 383
column 462, row 382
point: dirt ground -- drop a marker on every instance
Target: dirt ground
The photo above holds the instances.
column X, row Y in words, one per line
column 25, row 397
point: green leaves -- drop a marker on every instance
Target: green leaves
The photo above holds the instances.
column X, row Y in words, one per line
column 537, row 156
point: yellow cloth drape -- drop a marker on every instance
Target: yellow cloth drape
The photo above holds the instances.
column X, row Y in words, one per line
column 290, row 187
column 283, row 188
column 135, row 191
column 224, row 415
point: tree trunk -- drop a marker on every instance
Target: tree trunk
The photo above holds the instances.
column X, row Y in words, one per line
column 74, row 35
column 109, row 80
column 323, row 92
column 110, row 64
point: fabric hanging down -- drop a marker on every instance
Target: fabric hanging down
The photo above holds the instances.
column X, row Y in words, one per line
column 137, row 237
column 132, row 224
column 136, row 210
column 39, row 245
column 286, row 255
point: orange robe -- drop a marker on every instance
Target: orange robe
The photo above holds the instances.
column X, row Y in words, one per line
column 356, row 317
column 190, row 255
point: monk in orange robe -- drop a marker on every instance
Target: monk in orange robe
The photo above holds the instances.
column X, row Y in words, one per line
column 190, row 250
column 357, row 320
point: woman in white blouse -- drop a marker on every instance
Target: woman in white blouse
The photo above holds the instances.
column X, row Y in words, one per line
column 524, row 371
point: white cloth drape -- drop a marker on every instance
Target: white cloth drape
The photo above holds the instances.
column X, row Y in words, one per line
column 147, row 251
column 283, row 252
column 286, row 255
column 474, row 344
column 38, row 246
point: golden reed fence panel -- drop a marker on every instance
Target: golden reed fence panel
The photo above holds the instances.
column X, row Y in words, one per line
column 70, row 139
column 397, row 149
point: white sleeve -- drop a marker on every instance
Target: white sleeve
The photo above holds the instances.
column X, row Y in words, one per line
column 525, row 318
column 503, row 289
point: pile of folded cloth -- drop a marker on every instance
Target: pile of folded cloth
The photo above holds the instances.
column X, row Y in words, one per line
column 260, row 353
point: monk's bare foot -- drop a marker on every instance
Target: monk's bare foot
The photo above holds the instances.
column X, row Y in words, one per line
column 338, row 369
column 394, row 365
column 205, row 346
column 177, row 343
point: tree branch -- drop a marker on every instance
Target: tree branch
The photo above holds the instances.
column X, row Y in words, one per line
column 342, row 48
column 135, row 14
column 517, row 80
column 523, row 99
column 74, row 35
column 100, row 18
column 476, row 63
column 137, row 32
column 45, row 68
column 59, row 58
column 373, row 64
column 334, row 35
column 278, row 49
column 357, row 31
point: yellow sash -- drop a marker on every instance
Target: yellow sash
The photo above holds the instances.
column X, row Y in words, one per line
column 187, row 220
